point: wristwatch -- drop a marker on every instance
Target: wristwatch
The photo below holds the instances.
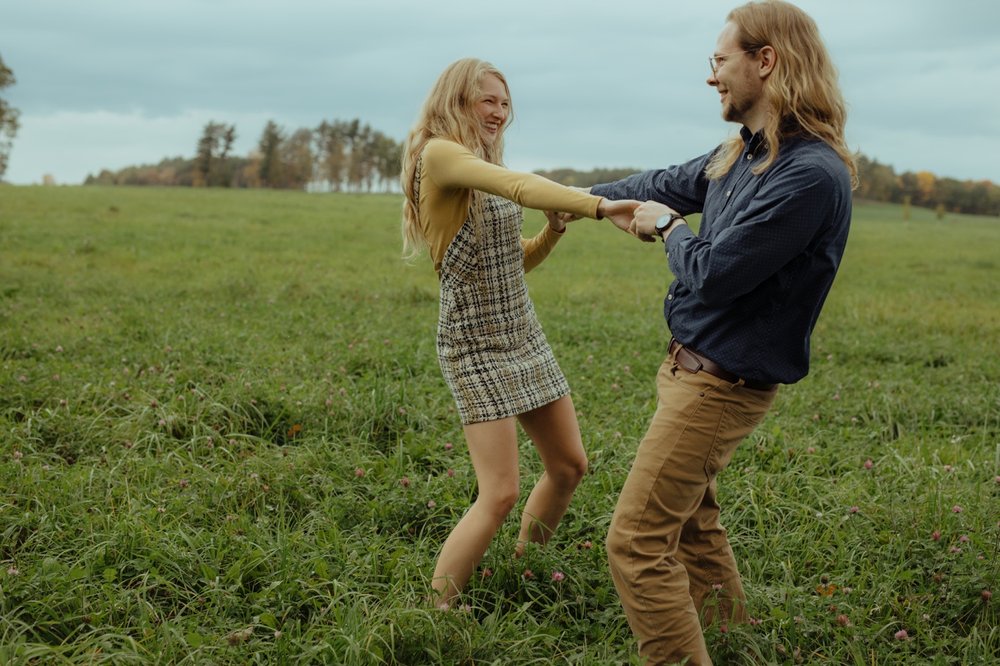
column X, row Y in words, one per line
column 664, row 222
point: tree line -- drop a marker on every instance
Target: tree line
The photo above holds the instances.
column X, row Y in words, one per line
column 879, row 182
column 335, row 156
column 350, row 156
column 8, row 118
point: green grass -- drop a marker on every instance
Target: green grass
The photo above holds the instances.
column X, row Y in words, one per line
column 224, row 439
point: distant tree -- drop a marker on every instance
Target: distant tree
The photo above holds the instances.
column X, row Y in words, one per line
column 388, row 159
column 212, row 166
column 926, row 185
column 270, row 155
column 331, row 157
column 8, row 118
column 297, row 159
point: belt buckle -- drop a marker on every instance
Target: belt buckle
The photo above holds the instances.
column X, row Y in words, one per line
column 685, row 359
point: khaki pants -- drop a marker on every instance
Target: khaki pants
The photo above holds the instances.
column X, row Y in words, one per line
column 669, row 555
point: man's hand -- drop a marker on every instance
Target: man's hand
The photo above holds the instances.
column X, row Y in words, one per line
column 644, row 222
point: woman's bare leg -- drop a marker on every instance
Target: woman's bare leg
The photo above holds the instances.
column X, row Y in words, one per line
column 493, row 449
column 556, row 434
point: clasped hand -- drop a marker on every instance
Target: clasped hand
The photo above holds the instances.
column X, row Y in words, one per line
column 633, row 217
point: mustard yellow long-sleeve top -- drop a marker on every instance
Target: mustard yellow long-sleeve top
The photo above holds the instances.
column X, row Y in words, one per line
column 448, row 172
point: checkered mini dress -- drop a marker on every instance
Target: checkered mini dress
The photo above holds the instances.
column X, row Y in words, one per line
column 493, row 353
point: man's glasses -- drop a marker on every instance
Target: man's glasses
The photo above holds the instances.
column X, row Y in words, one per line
column 715, row 62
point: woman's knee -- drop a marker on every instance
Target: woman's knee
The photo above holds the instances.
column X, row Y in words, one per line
column 568, row 472
column 500, row 501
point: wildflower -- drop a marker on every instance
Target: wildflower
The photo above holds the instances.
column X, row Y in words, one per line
column 528, row 574
column 183, row 483
column 295, row 430
column 22, row 378
column 465, row 608
column 996, row 479
column 826, row 590
column 586, row 545
column 153, row 403
column 956, row 509
column 487, row 572
column 13, row 571
column 811, row 449
column 954, row 549
column 431, row 504
column 329, row 402
column 949, row 468
column 799, row 619
column 936, row 535
column 724, row 628
column 716, row 586
column 964, row 538
column 855, row 509
column 836, row 396
column 162, row 422
column 277, row 634
column 901, row 635
column 450, row 472
column 614, row 387
column 843, row 620
column 17, row 455
column 755, row 622
column 240, row 636
column 986, row 595
column 59, row 349
column 869, row 464
column 405, row 482
column 358, row 472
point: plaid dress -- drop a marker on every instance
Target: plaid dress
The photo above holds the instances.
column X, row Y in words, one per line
column 491, row 347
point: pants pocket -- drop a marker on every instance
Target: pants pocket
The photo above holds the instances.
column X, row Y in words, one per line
column 734, row 426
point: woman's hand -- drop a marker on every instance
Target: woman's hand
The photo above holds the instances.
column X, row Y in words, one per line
column 557, row 221
column 620, row 212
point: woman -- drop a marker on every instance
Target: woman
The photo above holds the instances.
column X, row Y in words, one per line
column 466, row 209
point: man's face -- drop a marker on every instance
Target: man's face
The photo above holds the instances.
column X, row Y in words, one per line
column 736, row 77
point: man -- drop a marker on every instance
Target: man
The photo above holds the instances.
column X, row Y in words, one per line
column 776, row 207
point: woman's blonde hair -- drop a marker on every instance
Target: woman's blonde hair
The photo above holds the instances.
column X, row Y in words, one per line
column 802, row 94
column 448, row 113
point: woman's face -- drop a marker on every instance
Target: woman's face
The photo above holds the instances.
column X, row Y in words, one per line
column 492, row 108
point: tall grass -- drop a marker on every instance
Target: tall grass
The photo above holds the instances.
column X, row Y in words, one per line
column 224, row 439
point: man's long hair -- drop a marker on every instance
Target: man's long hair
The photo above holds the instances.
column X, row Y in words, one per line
column 448, row 113
column 802, row 94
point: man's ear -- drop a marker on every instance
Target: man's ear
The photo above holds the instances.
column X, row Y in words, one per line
column 768, row 58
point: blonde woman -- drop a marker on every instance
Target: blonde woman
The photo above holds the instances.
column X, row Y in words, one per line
column 465, row 208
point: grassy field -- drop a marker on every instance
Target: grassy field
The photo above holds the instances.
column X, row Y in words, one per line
column 224, row 439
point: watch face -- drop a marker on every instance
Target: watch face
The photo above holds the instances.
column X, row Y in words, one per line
column 664, row 222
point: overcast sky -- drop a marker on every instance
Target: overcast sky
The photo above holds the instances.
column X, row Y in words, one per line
column 616, row 83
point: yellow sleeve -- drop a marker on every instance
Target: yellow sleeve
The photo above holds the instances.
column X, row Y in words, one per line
column 537, row 248
column 453, row 166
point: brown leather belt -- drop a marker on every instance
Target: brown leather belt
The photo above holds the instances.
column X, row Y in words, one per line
column 692, row 361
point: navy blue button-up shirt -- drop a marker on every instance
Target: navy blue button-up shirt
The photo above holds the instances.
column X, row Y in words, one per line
column 749, row 286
